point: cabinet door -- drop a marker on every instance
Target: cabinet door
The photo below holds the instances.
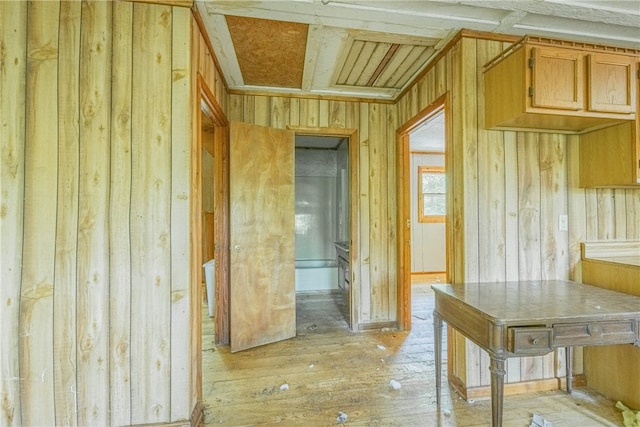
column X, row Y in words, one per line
column 611, row 83
column 556, row 79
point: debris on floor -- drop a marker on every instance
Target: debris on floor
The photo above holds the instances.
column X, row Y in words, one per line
column 630, row 418
column 395, row 385
column 342, row 417
column 539, row 421
column 312, row 327
column 284, row 387
column 381, row 347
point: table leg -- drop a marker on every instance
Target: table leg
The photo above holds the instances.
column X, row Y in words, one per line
column 498, row 372
column 437, row 337
column 569, row 363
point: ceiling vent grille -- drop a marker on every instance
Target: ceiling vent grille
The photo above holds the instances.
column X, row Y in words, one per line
column 381, row 64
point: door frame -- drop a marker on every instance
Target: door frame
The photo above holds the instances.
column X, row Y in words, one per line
column 221, row 212
column 404, row 203
column 354, row 223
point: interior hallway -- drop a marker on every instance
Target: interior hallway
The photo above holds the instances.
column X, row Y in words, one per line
column 329, row 370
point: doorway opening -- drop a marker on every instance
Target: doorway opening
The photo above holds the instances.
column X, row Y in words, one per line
column 208, row 186
column 210, row 207
column 322, row 230
column 428, row 200
column 423, row 204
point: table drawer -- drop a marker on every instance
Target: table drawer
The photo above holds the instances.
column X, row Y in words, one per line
column 529, row 340
column 594, row 333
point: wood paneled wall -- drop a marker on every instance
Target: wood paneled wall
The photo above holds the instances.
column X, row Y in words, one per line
column 96, row 127
column 508, row 190
column 99, row 323
column 374, row 266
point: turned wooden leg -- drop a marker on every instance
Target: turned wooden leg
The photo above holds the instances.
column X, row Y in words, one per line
column 437, row 336
column 569, row 357
column 497, row 389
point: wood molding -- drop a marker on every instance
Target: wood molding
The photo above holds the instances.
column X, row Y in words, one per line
column 177, row 3
column 219, row 117
column 296, row 95
column 197, row 415
column 428, row 277
column 445, row 50
column 198, row 19
column 609, row 249
column 376, row 326
column 305, row 130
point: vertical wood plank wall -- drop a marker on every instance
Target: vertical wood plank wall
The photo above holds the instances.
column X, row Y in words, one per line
column 509, row 189
column 99, row 323
column 375, row 264
column 95, row 213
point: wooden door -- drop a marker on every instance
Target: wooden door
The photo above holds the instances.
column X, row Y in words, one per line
column 556, row 79
column 262, row 289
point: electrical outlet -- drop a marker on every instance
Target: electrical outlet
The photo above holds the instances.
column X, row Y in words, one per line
column 563, row 222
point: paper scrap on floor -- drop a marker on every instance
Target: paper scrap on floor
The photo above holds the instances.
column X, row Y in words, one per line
column 630, row 418
column 539, row 421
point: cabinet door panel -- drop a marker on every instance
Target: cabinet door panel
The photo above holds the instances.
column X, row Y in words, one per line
column 611, row 83
column 556, row 79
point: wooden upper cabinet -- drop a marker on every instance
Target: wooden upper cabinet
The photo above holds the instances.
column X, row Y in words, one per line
column 557, row 80
column 562, row 87
column 610, row 157
column 612, row 83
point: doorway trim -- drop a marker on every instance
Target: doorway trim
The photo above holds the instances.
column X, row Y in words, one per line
column 221, row 211
column 354, row 223
column 404, row 203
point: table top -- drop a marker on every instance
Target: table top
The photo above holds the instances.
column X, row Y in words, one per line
column 546, row 301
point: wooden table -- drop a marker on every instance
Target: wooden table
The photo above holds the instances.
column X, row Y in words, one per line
column 513, row 319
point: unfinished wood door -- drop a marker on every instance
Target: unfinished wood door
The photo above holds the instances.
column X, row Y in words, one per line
column 263, row 300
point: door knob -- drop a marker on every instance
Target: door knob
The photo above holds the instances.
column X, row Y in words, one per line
column 237, row 248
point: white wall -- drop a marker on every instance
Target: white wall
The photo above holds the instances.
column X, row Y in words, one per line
column 315, row 187
column 428, row 252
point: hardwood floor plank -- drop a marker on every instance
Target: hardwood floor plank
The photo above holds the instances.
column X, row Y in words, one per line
column 329, row 369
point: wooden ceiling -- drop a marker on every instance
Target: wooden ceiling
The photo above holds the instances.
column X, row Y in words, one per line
column 375, row 48
column 381, row 61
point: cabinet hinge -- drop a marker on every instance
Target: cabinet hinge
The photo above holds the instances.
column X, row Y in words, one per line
column 530, row 90
column 532, row 62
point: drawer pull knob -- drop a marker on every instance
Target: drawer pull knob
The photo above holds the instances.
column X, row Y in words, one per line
column 594, row 330
column 534, row 341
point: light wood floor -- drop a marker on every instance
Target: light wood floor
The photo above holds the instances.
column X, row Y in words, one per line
column 329, row 370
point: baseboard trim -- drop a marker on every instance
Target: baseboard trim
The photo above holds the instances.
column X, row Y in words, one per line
column 376, row 326
column 197, row 415
column 429, row 277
